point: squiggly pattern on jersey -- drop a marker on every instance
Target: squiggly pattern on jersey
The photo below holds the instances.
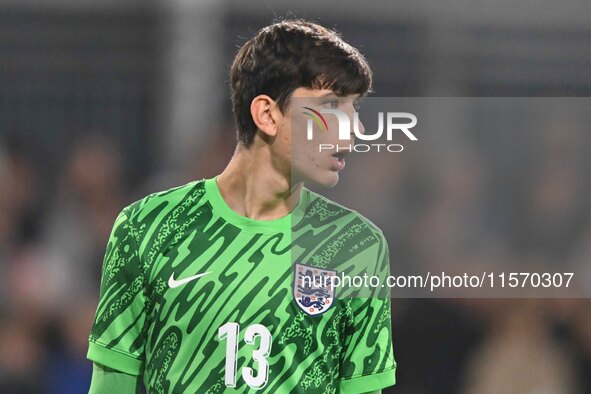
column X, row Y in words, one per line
column 162, row 359
column 165, row 233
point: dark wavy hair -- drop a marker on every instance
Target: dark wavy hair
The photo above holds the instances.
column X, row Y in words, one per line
column 291, row 54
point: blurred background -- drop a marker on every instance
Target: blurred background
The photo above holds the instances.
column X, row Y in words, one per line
column 104, row 102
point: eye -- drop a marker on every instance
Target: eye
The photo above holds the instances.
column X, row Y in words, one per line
column 331, row 104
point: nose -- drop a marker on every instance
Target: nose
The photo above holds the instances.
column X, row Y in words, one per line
column 361, row 127
column 357, row 122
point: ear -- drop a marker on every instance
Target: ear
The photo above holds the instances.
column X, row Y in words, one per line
column 263, row 110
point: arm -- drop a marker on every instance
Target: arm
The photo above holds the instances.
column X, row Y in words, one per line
column 368, row 362
column 106, row 381
column 117, row 337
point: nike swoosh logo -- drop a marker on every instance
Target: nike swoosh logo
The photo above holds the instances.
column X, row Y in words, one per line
column 172, row 283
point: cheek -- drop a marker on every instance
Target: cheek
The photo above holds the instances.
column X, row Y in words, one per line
column 332, row 134
column 307, row 156
column 297, row 132
column 286, row 140
column 304, row 152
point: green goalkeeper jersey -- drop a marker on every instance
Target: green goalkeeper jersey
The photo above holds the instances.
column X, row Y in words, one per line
column 196, row 298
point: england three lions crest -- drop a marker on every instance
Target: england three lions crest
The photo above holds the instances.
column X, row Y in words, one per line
column 313, row 289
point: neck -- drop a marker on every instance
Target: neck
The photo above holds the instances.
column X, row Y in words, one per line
column 253, row 187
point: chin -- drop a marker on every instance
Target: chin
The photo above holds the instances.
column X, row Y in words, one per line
column 326, row 179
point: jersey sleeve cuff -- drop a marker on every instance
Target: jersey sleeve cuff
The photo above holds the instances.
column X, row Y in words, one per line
column 114, row 359
column 367, row 383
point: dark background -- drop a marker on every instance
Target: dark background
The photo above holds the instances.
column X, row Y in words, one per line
column 104, row 102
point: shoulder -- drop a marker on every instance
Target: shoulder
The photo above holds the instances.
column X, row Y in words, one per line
column 340, row 238
column 155, row 204
column 323, row 211
column 157, row 218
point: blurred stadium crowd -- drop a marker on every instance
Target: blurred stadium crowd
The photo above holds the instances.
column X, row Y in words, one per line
column 475, row 206
column 52, row 239
column 57, row 209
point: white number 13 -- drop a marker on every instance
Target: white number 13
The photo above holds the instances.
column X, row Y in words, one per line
column 230, row 331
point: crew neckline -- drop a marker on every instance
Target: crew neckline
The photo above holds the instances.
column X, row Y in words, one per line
column 282, row 224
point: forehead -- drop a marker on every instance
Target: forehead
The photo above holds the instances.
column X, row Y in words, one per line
column 302, row 92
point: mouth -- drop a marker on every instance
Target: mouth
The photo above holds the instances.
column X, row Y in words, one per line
column 339, row 160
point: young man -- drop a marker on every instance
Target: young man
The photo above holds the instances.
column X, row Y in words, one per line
column 202, row 285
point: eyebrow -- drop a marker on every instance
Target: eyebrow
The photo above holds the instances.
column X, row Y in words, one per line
column 328, row 95
column 333, row 94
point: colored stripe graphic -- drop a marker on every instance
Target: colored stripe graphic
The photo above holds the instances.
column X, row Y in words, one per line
column 317, row 116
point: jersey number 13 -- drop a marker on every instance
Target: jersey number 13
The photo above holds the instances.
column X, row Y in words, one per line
column 229, row 332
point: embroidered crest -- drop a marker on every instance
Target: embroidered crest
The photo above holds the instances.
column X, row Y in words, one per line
column 313, row 289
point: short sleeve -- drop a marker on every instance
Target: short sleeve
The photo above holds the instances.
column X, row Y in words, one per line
column 117, row 336
column 368, row 362
column 107, row 380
